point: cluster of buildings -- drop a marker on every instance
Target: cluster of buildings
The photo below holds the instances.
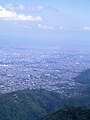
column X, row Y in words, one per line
column 50, row 69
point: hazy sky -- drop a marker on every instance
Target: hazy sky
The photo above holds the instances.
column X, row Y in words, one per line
column 45, row 22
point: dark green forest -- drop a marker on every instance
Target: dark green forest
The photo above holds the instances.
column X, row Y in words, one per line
column 29, row 104
column 70, row 113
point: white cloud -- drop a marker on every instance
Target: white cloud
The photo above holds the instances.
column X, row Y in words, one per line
column 86, row 28
column 10, row 6
column 9, row 15
column 14, row 6
column 50, row 27
column 45, row 27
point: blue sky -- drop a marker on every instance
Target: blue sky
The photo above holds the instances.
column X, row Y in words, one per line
column 45, row 23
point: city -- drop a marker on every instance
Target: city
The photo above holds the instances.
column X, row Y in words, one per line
column 35, row 68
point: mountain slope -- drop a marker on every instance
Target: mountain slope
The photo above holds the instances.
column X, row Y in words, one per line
column 83, row 77
column 70, row 113
column 29, row 104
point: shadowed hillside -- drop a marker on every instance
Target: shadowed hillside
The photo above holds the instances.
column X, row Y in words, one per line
column 83, row 77
column 70, row 113
column 29, row 104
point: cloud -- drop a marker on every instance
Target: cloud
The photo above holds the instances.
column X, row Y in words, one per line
column 9, row 15
column 45, row 27
column 37, row 8
column 14, row 6
column 53, row 9
column 11, row 6
column 86, row 28
column 50, row 27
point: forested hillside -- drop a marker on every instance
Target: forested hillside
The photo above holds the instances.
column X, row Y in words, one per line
column 70, row 113
column 35, row 104
column 29, row 104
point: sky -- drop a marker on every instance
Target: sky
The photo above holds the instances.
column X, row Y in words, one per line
column 45, row 23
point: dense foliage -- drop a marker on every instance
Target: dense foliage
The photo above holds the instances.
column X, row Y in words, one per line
column 33, row 104
column 29, row 104
column 83, row 77
column 70, row 113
